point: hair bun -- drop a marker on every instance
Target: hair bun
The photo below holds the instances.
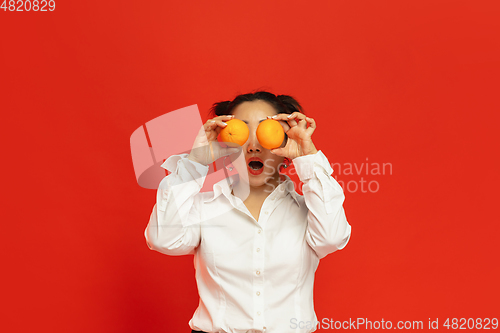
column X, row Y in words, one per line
column 290, row 103
column 220, row 108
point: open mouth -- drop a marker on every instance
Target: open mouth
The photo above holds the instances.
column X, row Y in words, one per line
column 255, row 165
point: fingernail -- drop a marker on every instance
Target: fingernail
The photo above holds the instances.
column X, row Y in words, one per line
column 289, row 116
column 274, row 117
column 224, row 123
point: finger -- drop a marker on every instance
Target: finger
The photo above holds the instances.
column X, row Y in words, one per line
column 293, row 120
column 302, row 123
column 312, row 126
column 209, row 127
column 213, row 128
column 297, row 119
column 294, row 115
column 279, row 116
column 285, row 117
column 212, row 124
column 225, row 117
column 219, row 118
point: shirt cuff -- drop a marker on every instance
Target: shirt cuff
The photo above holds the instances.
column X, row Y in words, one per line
column 305, row 165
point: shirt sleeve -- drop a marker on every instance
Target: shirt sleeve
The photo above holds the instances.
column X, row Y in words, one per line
column 327, row 226
column 174, row 224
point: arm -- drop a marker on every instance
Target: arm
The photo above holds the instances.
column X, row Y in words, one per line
column 327, row 229
column 173, row 226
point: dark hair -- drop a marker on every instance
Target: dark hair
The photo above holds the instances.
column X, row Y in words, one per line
column 281, row 103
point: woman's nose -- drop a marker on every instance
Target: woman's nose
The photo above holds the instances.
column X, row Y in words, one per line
column 253, row 144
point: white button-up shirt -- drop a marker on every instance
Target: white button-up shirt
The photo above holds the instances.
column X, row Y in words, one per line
column 252, row 276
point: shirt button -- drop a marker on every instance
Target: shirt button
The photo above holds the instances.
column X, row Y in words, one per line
column 258, row 313
column 258, row 293
column 258, row 272
column 266, row 212
column 258, row 249
column 260, row 230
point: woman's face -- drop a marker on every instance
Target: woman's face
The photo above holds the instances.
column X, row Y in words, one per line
column 267, row 171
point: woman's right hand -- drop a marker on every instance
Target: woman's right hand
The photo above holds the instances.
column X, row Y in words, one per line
column 206, row 149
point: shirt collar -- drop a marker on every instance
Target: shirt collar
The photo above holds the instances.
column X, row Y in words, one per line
column 225, row 187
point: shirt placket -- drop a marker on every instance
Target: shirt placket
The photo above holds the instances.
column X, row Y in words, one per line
column 258, row 276
column 259, row 261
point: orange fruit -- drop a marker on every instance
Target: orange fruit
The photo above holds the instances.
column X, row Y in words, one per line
column 235, row 133
column 270, row 134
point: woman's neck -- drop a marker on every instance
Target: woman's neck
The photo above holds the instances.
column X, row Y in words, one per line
column 240, row 189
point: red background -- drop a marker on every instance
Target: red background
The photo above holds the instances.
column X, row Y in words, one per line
column 414, row 84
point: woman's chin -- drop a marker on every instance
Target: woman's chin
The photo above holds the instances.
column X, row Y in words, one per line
column 260, row 180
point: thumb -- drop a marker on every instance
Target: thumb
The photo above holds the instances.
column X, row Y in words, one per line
column 229, row 151
column 277, row 151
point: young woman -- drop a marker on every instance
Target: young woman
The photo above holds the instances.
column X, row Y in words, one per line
column 256, row 242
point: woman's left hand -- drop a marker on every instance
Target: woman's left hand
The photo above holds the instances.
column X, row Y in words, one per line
column 299, row 141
